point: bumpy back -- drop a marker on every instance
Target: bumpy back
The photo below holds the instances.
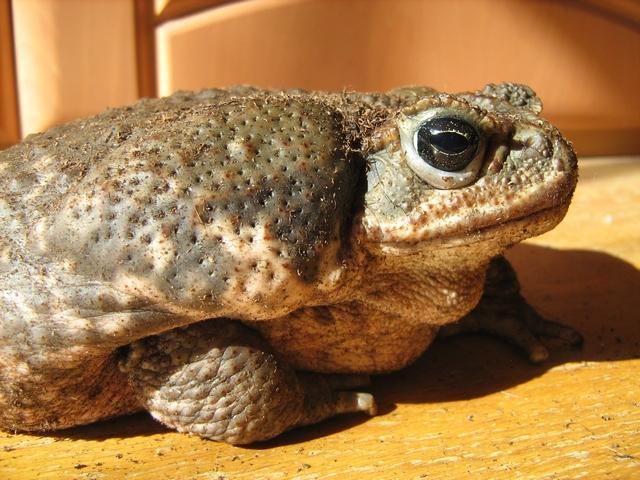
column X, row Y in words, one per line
column 194, row 201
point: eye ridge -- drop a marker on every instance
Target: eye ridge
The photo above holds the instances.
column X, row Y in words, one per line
column 447, row 143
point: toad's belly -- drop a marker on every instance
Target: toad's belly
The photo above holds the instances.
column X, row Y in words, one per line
column 341, row 339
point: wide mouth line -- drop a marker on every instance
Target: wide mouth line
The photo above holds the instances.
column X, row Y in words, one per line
column 479, row 234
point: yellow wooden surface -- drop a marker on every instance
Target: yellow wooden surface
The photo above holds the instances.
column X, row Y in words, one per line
column 469, row 408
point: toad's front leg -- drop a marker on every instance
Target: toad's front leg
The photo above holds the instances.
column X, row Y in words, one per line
column 220, row 380
column 504, row 312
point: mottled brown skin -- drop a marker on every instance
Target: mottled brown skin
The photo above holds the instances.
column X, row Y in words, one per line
column 236, row 261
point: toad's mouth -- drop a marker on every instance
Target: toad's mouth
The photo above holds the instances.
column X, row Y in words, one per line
column 522, row 194
column 491, row 240
column 509, row 232
column 541, row 210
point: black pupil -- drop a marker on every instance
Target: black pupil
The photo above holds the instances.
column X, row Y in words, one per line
column 447, row 143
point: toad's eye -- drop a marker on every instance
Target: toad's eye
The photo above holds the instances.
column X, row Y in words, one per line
column 446, row 143
column 444, row 149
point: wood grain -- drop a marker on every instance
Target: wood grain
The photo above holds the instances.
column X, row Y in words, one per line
column 145, row 44
column 9, row 122
column 471, row 406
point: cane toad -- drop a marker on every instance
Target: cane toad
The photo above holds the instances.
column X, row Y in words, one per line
column 237, row 261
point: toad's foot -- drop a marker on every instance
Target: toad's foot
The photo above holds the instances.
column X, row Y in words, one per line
column 218, row 379
column 503, row 312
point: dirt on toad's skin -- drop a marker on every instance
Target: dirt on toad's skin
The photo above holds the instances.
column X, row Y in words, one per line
column 137, row 153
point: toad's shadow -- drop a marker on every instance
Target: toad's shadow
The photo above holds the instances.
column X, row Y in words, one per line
column 592, row 291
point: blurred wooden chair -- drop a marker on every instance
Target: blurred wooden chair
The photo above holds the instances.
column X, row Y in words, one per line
column 581, row 56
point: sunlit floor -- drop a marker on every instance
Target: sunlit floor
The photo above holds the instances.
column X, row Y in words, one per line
column 470, row 407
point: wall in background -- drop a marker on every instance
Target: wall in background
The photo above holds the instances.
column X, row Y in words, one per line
column 581, row 56
column 73, row 58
